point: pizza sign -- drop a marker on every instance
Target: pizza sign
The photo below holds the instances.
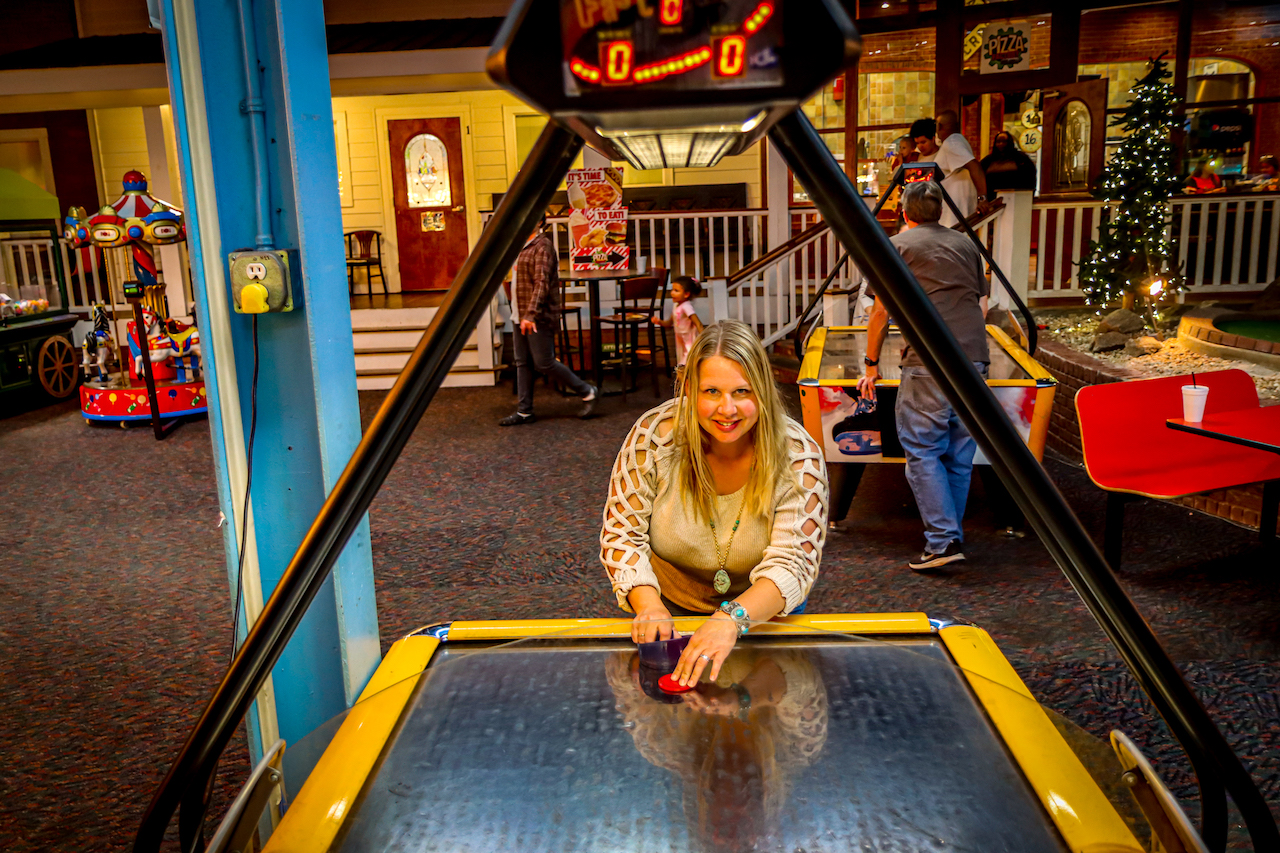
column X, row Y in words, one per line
column 597, row 220
column 1007, row 48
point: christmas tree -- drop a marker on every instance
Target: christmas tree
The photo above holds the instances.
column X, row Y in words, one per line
column 1133, row 250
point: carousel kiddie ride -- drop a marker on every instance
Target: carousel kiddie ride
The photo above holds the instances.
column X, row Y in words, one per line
column 160, row 379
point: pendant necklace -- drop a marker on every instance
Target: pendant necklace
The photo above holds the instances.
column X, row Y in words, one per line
column 720, row 583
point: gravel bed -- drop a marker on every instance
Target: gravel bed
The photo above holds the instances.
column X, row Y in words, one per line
column 1077, row 329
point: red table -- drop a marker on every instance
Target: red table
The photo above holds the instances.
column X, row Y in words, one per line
column 1258, row 428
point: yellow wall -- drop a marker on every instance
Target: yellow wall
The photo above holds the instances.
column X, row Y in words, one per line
column 121, row 142
column 122, row 145
column 493, row 145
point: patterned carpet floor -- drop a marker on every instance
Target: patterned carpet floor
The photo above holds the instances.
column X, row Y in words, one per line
column 114, row 595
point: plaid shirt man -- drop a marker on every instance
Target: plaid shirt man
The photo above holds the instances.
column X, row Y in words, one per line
column 538, row 283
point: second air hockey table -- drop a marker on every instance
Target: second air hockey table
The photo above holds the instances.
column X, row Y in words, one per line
column 856, row 430
column 888, row 732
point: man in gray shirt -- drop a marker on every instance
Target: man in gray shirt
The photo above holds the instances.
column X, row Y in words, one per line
column 939, row 449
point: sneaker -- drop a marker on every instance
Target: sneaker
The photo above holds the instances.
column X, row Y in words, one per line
column 952, row 554
column 517, row 419
column 589, row 403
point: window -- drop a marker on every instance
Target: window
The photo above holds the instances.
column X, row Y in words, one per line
column 426, row 168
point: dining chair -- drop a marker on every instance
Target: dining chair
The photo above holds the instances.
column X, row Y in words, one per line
column 643, row 300
column 364, row 249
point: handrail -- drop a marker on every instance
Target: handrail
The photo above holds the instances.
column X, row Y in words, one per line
column 189, row 777
column 773, row 256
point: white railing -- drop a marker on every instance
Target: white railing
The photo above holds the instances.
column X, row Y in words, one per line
column 87, row 279
column 1221, row 243
column 28, row 271
column 1227, row 243
column 704, row 244
column 771, row 298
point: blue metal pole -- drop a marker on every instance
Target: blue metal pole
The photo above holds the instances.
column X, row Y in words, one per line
column 308, row 415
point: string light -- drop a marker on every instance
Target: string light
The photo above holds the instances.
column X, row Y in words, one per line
column 1134, row 246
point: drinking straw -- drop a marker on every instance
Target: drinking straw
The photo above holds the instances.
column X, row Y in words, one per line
column 1193, row 379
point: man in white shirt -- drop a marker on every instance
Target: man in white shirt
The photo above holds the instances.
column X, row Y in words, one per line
column 963, row 178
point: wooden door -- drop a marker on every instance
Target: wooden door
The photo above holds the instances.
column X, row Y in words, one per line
column 430, row 200
column 1074, row 118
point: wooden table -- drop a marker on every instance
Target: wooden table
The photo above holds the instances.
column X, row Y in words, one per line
column 1257, row 428
column 593, row 278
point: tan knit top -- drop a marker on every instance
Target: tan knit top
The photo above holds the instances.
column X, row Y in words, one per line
column 650, row 537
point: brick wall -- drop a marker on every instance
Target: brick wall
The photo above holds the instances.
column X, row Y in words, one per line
column 1074, row 370
column 907, row 50
column 1244, row 33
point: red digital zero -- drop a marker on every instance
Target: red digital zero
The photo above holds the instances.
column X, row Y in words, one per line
column 616, row 57
column 731, row 56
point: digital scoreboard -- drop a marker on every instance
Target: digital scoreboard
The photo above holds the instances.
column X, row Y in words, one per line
column 614, row 45
column 671, row 83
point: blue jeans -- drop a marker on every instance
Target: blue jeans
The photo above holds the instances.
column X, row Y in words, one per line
column 939, row 456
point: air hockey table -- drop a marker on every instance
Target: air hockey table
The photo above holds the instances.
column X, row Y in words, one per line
column 888, row 732
column 853, row 429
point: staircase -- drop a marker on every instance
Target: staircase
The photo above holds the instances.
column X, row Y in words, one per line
column 384, row 338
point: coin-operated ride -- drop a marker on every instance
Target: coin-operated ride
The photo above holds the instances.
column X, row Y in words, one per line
column 453, row 744
column 159, row 378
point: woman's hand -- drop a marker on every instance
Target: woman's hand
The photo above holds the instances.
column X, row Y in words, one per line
column 653, row 620
column 709, row 646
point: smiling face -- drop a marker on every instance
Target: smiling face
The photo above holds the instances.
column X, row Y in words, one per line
column 727, row 405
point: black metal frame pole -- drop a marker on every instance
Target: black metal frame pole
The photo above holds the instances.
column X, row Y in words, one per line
column 466, row 301
column 1211, row 757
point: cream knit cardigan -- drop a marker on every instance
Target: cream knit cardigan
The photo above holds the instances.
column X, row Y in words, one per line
column 785, row 546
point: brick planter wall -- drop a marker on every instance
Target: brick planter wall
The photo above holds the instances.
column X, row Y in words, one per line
column 1074, row 370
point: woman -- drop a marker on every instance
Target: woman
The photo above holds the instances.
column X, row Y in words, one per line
column 1007, row 167
column 718, row 499
column 1204, row 179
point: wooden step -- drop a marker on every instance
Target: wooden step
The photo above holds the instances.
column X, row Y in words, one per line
column 467, row 377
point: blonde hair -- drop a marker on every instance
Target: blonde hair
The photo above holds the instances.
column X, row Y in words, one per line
column 734, row 340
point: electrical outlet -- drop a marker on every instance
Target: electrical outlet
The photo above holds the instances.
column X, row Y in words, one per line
column 260, row 281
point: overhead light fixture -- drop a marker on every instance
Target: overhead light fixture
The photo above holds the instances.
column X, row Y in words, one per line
column 680, row 148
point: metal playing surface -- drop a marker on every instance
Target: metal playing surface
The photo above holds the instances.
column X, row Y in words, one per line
column 554, row 746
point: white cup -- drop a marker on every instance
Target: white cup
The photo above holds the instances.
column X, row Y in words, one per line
column 1193, row 397
column 642, row 263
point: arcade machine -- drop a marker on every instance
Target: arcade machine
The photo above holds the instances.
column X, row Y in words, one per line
column 157, row 359
column 855, row 432
column 836, row 732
